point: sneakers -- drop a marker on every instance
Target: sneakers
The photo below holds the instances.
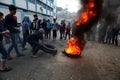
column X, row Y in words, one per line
column 7, row 69
column 19, row 55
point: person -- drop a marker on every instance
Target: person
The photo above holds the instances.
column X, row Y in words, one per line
column 10, row 23
column 68, row 28
column 62, row 29
column 49, row 27
column 33, row 40
column 3, row 66
column 54, row 28
column 115, row 32
column 43, row 25
column 25, row 30
column 109, row 34
column 36, row 23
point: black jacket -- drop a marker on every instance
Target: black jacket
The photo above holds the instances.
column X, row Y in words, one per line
column 1, row 29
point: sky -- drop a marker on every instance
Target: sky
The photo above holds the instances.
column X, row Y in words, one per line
column 72, row 5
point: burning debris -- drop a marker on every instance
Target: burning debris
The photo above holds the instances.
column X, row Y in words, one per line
column 90, row 15
column 75, row 45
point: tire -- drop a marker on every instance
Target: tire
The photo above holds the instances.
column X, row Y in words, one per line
column 49, row 49
column 71, row 56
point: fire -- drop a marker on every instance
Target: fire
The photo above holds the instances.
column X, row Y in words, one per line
column 75, row 46
column 87, row 14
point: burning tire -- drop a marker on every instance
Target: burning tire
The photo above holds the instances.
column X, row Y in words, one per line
column 72, row 56
column 49, row 49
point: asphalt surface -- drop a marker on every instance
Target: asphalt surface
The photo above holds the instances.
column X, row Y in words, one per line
column 97, row 62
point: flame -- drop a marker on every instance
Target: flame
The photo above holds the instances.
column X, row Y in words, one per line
column 87, row 14
column 75, row 46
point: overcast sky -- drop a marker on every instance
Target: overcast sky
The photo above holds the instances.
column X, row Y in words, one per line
column 72, row 5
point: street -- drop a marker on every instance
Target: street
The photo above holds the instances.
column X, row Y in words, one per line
column 97, row 62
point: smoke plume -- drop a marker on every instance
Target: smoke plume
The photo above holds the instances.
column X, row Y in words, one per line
column 79, row 30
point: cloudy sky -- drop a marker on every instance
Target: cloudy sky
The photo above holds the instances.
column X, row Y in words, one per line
column 72, row 5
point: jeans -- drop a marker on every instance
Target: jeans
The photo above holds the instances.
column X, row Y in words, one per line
column 67, row 33
column 54, row 34
column 115, row 39
column 13, row 37
column 19, row 40
column 7, row 40
column 3, row 52
column 25, row 35
column 48, row 33
column 61, row 34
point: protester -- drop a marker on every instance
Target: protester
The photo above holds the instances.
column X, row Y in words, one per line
column 115, row 32
column 109, row 35
column 68, row 28
column 11, row 24
column 43, row 25
column 49, row 27
column 33, row 40
column 62, row 29
column 36, row 23
column 3, row 62
column 25, row 30
column 55, row 28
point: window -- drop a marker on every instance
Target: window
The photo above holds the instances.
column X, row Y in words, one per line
column 32, row 1
column 38, row 2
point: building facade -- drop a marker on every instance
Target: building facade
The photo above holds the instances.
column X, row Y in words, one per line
column 43, row 8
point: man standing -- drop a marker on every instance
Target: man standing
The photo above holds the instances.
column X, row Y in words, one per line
column 49, row 27
column 55, row 28
column 68, row 29
column 36, row 23
column 62, row 29
column 11, row 24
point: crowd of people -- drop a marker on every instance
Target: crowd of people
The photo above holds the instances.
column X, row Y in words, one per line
column 32, row 32
column 112, row 35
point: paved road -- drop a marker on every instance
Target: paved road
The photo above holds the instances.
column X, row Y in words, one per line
column 98, row 62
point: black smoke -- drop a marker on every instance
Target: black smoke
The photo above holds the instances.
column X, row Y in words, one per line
column 81, row 29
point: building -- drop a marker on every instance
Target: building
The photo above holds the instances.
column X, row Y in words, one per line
column 63, row 14
column 43, row 8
